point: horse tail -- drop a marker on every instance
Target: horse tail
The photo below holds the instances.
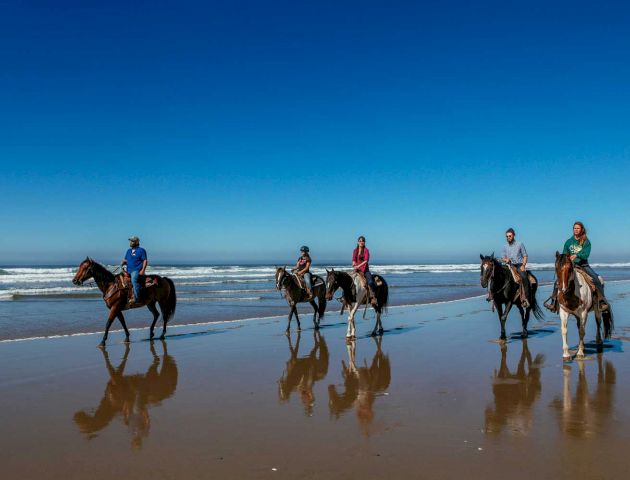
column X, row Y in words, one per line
column 321, row 305
column 168, row 308
column 382, row 295
column 536, row 310
column 609, row 322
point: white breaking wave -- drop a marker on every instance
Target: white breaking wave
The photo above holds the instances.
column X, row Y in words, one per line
column 13, row 292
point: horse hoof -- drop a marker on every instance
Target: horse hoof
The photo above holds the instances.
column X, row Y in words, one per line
column 127, row 340
column 286, row 332
column 381, row 331
column 101, row 345
column 566, row 358
column 580, row 356
column 373, row 334
column 162, row 337
column 524, row 334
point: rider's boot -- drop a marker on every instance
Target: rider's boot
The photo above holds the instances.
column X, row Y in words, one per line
column 309, row 293
column 603, row 303
column 552, row 302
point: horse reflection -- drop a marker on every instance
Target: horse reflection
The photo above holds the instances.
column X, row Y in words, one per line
column 131, row 396
column 301, row 373
column 586, row 414
column 514, row 393
column 361, row 385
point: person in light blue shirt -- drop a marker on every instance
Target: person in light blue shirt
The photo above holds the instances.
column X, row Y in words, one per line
column 136, row 261
column 514, row 253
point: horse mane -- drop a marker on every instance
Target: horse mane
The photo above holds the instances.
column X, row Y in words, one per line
column 102, row 271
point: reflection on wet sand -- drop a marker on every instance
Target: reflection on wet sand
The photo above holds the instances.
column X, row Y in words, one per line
column 514, row 393
column 361, row 385
column 131, row 396
column 301, row 373
column 586, row 415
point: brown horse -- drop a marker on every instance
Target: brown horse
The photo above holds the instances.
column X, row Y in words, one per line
column 162, row 291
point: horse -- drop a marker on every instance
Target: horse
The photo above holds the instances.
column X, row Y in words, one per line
column 355, row 295
column 116, row 299
column 294, row 294
column 575, row 298
column 504, row 290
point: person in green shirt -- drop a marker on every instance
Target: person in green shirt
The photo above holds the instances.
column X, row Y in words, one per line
column 578, row 247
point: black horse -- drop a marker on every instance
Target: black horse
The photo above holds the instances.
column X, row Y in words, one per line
column 355, row 294
column 294, row 294
column 504, row 291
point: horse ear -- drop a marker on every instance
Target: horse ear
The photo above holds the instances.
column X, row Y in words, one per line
column 492, row 256
column 557, row 254
column 481, row 256
column 327, row 271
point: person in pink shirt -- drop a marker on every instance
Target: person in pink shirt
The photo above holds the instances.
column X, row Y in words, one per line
column 360, row 263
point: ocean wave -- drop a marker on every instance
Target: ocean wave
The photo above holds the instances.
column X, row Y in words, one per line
column 14, row 293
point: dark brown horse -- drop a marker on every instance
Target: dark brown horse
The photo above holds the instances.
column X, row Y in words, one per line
column 504, row 292
column 294, row 294
column 162, row 292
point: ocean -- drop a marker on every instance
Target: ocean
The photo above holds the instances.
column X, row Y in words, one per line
column 42, row 302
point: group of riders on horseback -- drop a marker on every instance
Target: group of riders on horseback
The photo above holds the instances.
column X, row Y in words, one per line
column 578, row 247
column 360, row 265
column 508, row 282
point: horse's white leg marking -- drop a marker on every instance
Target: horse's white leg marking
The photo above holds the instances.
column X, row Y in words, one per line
column 564, row 319
column 584, row 293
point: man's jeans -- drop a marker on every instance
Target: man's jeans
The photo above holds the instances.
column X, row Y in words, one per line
column 136, row 284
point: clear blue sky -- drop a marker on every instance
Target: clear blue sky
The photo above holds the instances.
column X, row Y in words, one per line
column 237, row 131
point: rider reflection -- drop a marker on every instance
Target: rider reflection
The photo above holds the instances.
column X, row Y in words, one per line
column 514, row 393
column 301, row 373
column 361, row 385
column 585, row 414
column 131, row 396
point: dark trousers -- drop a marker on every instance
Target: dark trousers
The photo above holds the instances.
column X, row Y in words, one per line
column 524, row 279
column 591, row 273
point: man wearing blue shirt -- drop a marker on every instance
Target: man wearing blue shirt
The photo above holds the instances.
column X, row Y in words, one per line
column 514, row 253
column 136, row 261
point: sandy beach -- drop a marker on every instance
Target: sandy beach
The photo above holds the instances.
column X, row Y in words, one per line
column 436, row 397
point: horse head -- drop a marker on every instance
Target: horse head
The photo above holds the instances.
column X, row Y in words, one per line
column 487, row 269
column 281, row 275
column 85, row 271
column 564, row 271
column 331, row 283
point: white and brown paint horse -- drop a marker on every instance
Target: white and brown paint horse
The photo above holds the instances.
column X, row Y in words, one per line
column 355, row 294
column 576, row 298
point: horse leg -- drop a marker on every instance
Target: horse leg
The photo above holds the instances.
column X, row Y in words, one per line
column 524, row 317
column 315, row 319
column 290, row 317
column 124, row 325
column 156, row 315
column 112, row 314
column 163, row 327
column 297, row 318
column 501, row 319
column 598, row 339
column 564, row 320
column 582, row 329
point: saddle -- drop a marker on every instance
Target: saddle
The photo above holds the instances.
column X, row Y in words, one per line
column 587, row 278
column 122, row 282
column 315, row 280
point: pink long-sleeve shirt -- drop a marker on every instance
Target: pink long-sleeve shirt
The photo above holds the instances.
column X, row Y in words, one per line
column 356, row 259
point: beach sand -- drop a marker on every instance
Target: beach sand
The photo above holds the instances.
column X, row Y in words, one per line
column 436, row 397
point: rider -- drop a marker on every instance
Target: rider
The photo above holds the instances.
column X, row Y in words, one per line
column 360, row 259
column 136, row 261
column 579, row 249
column 302, row 268
column 514, row 253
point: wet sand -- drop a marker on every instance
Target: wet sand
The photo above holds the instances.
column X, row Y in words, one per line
column 436, row 397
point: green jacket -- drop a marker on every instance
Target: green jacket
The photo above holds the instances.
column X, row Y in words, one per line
column 573, row 247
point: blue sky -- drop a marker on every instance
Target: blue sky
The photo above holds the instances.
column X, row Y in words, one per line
column 238, row 131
